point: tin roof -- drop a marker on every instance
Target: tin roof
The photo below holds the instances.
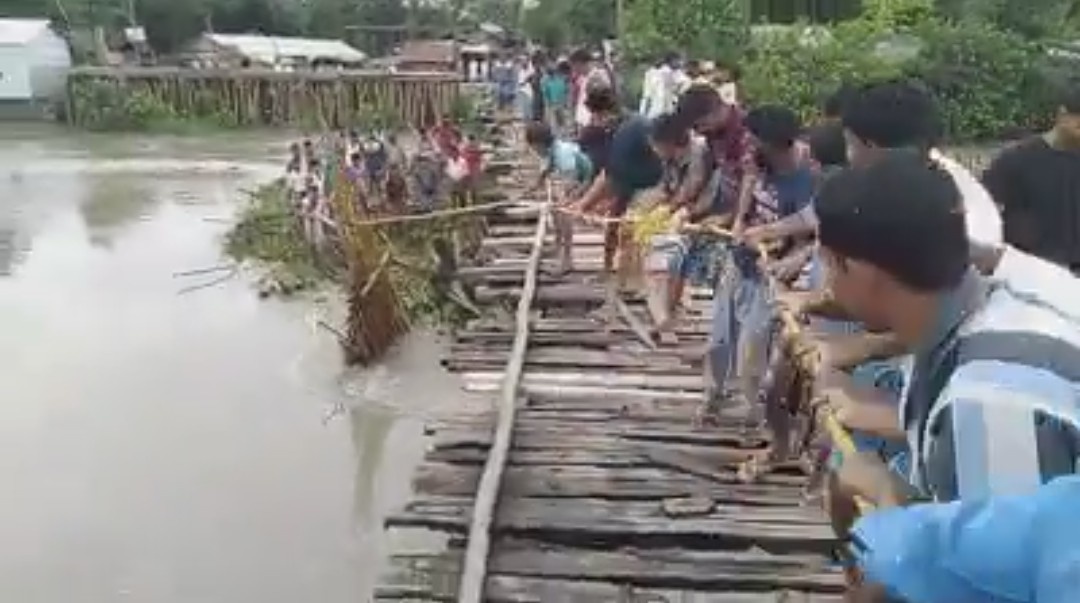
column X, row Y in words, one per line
column 15, row 32
column 269, row 49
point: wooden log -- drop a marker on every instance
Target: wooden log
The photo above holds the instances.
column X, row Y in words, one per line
column 475, row 571
column 416, row 586
column 608, row 483
column 640, row 523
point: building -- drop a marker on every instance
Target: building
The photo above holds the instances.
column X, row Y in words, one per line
column 214, row 50
column 428, row 56
column 34, row 63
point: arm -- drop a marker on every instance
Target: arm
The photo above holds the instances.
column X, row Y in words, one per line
column 860, row 407
column 801, row 223
column 599, row 190
column 746, row 199
column 697, row 176
column 845, row 352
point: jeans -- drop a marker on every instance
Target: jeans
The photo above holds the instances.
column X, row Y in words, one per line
column 740, row 326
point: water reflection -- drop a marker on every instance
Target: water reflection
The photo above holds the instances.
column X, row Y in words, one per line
column 369, row 428
column 113, row 202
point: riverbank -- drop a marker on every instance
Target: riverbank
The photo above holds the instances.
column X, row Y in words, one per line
column 174, row 447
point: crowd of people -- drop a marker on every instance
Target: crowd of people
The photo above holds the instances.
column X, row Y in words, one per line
column 943, row 307
column 386, row 176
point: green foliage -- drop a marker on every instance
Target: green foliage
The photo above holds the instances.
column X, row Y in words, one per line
column 269, row 233
column 110, row 106
column 987, row 81
column 562, row 23
column 700, row 28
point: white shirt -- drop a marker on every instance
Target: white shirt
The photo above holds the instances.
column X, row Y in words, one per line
column 659, row 91
column 983, row 217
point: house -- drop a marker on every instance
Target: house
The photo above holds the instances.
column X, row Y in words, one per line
column 34, row 63
column 428, row 56
column 214, row 50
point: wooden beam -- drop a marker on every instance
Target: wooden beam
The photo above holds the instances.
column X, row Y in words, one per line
column 475, row 571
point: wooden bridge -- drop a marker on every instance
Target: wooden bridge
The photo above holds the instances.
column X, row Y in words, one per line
column 588, row 481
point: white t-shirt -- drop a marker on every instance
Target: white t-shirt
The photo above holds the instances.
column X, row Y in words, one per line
column 983, row 217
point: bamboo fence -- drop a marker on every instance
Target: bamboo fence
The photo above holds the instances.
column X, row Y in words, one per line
column 271, row 98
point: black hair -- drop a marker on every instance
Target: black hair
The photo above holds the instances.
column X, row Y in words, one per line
column 774, row 125
column 580, row 55
column 731, row 68
column 833, row 105
column 670, row 129
column 902, row 214
column 827, row 145
column 539, row 134
column 562, row 67
column 354, row 157
column 698, row 101
column 893, row 115
column 601, row 100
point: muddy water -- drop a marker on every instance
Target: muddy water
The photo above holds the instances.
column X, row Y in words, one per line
column 169, row 446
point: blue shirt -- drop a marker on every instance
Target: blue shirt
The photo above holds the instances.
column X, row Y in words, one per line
column 1004, row 549
column 556, row 90
column 777, row 196
column 569, row 162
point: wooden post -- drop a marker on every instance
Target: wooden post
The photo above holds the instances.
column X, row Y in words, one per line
column 474, row 573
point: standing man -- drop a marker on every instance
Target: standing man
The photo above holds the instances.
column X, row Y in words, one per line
column 1037, row 185
column 659, row 89
column 588, row 76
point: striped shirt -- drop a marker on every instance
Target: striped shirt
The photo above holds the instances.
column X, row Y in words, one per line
column 994, row 404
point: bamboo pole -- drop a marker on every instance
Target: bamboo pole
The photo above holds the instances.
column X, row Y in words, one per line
column 476, row 555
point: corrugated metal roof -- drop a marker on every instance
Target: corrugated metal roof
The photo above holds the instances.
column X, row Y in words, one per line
column 269, row 49
column 14, row 32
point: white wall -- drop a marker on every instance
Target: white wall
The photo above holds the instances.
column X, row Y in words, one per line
column 36, row 70
column 14, row 74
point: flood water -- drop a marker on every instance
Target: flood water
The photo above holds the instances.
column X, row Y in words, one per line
column 169, row 446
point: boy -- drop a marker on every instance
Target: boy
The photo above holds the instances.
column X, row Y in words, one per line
column 573, row 171
column 692, row 186
column 781, row 184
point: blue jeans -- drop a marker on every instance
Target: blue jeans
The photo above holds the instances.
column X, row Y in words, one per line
column 741, row 316
column 885, row 375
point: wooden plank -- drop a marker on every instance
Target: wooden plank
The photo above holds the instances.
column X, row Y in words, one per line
column 639, row 523
column 590, row 454
column 610, row 483
column 540, row 435
column 433, row 578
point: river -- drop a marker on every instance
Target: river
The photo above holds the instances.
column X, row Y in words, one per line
column 170, row 446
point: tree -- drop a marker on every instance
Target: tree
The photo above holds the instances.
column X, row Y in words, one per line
column 561, row 23
column 702, row 28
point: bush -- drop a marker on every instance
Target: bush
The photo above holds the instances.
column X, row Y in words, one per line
column 987, row 81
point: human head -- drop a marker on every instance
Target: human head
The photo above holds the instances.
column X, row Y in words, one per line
column 671, row 59
column 563, row 67
column 602, row 103
column 827, row 145
column 539, row 137
column 726, row 72
column 702, row 108
column 580, row 61
column 775, row 129
column 693, row 68
column 889, row 115
column 832, row 108
column 294, row 149
column 669, row 137
column 891, row 233
column 313, row 165
column 1067, row 123
column 355, row 159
